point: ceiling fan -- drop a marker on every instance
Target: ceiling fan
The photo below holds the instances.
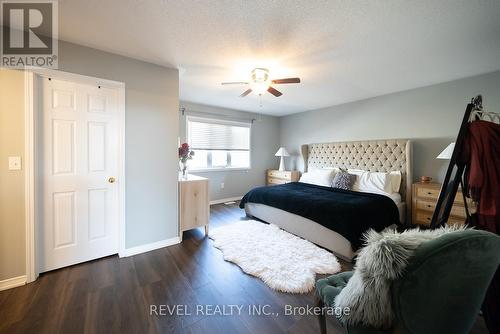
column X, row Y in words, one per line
column 260, row 83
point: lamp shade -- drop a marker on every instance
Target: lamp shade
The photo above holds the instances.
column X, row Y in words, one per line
column 447, row 152
column 282, row 152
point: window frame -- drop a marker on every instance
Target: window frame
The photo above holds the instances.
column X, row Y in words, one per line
column 225, row 122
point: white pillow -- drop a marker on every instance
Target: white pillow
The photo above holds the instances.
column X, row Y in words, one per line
column 358, row 173
column 320, row 177
column 395, row 181
column 372, row 182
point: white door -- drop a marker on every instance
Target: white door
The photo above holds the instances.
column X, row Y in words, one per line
column 80, row 153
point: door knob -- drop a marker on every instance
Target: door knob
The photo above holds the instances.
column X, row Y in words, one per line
column 111, row 180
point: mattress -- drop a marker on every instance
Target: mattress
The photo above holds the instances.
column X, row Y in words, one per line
column 347, row 212
column 306, row 228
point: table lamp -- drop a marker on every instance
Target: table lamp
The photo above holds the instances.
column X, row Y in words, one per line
column 447, row 152
column 282, row 152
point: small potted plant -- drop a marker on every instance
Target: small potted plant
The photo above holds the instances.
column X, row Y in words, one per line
column 185, row 154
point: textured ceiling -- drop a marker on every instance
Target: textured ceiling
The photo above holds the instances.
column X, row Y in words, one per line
column 342, row 50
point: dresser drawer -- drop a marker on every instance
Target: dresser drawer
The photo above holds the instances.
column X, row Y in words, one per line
column 455, row 221
column 458, row 211
column 424, row 192
column 423, row 217
column 280, row 177
column 425, row 205
column 274, row 181
column 433, row 193
column 280, row 174
column 424, row 201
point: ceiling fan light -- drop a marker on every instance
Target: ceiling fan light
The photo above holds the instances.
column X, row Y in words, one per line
column 260, row 74
column 260, row 87
column 260, row 80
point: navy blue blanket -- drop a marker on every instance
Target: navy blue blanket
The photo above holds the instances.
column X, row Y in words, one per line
column 346, row 212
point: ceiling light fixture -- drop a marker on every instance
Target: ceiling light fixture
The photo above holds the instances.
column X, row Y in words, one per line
column 260, row 80
column 260, row 83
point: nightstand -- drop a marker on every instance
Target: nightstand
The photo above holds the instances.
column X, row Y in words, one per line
column 281, row 177
column 424, row 198
column 194, row 207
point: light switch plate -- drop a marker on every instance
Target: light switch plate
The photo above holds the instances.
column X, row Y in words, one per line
column 15, row 163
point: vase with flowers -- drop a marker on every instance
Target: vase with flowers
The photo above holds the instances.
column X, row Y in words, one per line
column 185, row 154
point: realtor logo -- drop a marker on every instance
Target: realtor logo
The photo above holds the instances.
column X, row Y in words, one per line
column 29, row 33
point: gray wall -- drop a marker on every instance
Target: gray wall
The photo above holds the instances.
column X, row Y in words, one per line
column 265, row 143
column 152, row 108
column 430, row 116
column 152, row 127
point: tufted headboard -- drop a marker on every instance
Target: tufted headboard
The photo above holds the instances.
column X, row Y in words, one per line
column 374, row 155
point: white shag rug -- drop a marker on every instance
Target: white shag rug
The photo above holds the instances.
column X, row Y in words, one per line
column 282, row 260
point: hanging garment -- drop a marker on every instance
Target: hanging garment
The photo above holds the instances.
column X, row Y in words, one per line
column 482, row 158
column 482, row 180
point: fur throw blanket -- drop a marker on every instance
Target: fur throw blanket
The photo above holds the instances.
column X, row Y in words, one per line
column 383, row 259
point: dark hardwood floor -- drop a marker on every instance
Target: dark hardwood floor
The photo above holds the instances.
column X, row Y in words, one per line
column 113, row 295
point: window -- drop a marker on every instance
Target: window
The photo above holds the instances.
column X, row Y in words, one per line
column 218, row 144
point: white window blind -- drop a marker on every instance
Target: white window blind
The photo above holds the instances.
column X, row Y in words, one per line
column 208, row 134
column 218, row 144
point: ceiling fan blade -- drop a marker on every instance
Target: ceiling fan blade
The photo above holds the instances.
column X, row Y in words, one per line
column 286, row 81
column 234, row 83
column 245, row 93
column 275, row 92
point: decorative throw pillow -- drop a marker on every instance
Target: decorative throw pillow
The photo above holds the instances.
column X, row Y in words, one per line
column 343, row 180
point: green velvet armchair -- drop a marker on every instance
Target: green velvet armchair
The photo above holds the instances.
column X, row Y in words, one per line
column 442, row 289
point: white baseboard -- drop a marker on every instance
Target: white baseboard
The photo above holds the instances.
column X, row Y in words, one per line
column 149, row 247
column 12, row 282
column 224, row 200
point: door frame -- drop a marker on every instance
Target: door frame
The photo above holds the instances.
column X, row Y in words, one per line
column 32, row 110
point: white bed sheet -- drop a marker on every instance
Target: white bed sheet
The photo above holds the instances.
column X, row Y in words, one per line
column 396, row 197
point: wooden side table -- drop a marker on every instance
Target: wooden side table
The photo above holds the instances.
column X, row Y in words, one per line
column 274, row 177
column 194, row 204
column 424, row 198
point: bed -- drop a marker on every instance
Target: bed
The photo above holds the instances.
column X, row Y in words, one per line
column 374, row 156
